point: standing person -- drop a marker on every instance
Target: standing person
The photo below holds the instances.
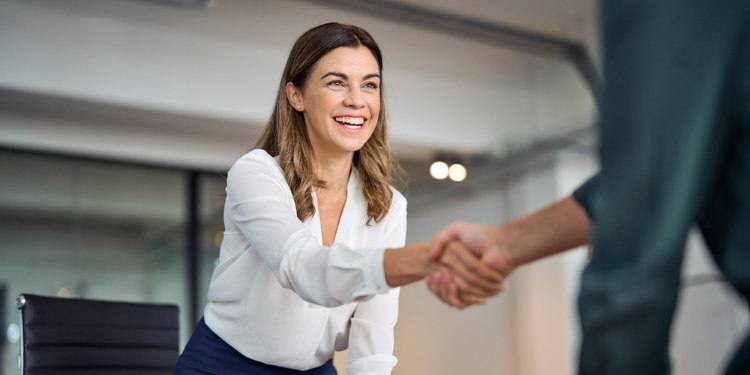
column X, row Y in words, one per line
column 314, row 233
column 675, row 151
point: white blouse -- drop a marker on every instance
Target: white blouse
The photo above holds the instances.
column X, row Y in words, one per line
column 280, row 297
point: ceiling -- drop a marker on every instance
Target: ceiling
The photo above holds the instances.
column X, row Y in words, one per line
column 219, row 67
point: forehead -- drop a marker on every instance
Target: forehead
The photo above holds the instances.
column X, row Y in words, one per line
column 354, row 61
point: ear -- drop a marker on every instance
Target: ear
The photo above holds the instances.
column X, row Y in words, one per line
column 294, row 96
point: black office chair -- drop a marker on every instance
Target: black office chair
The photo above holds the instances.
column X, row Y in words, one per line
column 65, row 336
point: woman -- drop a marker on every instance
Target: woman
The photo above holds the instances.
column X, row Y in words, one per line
column 308, row 216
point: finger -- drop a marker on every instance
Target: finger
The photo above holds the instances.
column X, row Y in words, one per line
column 434, row 287
column 470, row 269
column 475, row 265
column 449, row 291
column 465, row 279
column 440, row 239
column 466, row 287
column 437, row 288
column 472, row 299
column 453, row 297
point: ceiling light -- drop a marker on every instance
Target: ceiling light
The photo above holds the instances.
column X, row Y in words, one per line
column 457, row 172
column 439, row 170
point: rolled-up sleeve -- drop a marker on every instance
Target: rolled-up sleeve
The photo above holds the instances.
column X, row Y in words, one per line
column 371, row 333
column 260, row 204
column 585, row 195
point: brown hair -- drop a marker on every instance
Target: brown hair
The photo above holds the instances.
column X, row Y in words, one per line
column 285, row 134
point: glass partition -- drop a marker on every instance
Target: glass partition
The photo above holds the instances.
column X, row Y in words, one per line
column 81, row 228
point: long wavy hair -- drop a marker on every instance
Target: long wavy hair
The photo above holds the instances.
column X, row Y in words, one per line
column 286, row 136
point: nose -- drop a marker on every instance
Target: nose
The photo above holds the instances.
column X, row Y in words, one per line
column 354, row 98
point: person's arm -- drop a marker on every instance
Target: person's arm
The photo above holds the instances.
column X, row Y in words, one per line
column 559, row 227
column 259, row 203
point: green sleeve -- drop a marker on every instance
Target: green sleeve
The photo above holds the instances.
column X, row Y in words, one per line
column 585, row 194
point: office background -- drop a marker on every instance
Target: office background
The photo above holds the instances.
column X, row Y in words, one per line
column 118, row 119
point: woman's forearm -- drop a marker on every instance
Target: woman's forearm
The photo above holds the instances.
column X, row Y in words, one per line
column 407, row 264
column 412, row 263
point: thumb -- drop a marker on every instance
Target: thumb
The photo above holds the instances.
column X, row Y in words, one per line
column 498, row 260
column 442, row 238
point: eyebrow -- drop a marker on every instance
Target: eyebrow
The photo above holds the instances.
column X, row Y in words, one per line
column 344, row 76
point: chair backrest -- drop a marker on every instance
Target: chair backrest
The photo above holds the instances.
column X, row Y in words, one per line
column 87, row 337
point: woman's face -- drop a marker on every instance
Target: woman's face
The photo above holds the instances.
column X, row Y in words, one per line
column 341, row 100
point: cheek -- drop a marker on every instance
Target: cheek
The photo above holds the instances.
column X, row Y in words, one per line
column 375, row 108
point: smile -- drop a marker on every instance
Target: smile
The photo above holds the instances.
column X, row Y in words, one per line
column 350, row 122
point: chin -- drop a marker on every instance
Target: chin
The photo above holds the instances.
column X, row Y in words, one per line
column 351, row 146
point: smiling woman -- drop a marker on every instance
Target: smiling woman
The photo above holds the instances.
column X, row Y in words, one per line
column 313, row 248
column 308, row 217
column 331, row 83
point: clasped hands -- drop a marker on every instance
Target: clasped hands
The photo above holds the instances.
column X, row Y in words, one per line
column 468, row 264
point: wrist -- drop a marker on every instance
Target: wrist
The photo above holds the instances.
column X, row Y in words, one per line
column 505, row 239
column 406, row 265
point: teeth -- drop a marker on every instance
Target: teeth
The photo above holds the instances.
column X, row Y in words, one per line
column 350, row 120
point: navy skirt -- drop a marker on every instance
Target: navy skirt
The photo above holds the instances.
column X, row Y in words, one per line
column 206, row 353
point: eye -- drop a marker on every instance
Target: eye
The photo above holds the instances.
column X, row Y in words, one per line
column 336, row 83
column 371, row 85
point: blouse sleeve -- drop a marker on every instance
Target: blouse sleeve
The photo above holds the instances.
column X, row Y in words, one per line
column 371, row 333
column 258, row 204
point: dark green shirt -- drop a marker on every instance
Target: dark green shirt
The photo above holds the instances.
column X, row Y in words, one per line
column 675, row 151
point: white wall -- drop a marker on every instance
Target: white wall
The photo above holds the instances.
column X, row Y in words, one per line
column 711, row 318
column 519, row 332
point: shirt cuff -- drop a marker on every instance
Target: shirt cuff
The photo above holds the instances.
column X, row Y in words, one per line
column 585, row 195
column 377, row 364
column 374, row 272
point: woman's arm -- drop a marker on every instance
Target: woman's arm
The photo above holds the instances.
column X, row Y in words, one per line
column 371, row 332
column 371, row 335
column 260, row 205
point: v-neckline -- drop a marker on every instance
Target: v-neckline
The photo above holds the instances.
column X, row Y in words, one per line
column 340, row 234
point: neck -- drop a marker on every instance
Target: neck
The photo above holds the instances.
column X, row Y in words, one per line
column 334, row 169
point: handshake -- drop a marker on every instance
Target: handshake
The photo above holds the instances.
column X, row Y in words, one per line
column 467, row 263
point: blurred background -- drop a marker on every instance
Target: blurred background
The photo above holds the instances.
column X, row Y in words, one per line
column 120, row 118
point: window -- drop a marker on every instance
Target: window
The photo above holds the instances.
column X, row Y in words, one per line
column 103, row 230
